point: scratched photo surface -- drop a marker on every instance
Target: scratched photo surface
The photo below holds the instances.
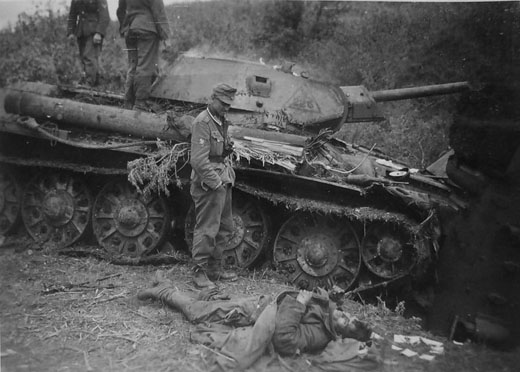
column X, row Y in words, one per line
column 375, row 158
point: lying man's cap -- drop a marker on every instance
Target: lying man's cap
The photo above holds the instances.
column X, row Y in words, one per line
column 224, row 93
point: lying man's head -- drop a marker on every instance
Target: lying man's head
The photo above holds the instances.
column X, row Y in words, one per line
column 350, row 327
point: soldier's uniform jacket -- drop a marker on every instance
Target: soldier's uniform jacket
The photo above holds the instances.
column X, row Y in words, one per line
column 208, row 141
column 143, row 15
column 300, row 328
column 87, row 17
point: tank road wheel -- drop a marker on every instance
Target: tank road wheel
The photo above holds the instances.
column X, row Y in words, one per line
column 317, row 251
column 126, row 223
column 10, row 201
column 251, row 233
column 250, row 236
column 388, row 250
column 56, row 207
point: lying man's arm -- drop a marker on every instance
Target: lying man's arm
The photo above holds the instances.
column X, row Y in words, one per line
column 290, row 335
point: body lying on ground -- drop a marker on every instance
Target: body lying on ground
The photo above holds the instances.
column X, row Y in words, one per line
column 293, row 323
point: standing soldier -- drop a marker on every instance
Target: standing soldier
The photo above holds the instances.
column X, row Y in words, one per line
column 143, row 24
column 211, row 180
column 88, row 22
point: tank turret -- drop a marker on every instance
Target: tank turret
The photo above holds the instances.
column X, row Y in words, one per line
column 271, row 99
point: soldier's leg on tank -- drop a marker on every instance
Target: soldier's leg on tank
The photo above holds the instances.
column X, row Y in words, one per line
column 224, row 235
column 90, row 59
column 209, row 205
column 82, row 41
column 131, row 48
column 147, row 69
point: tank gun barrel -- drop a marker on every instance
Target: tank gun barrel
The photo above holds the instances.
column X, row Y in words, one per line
column 417, row 92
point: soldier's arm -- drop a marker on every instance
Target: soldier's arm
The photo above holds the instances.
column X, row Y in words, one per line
column 292, row 335
column 288, row 337
column 73, row 18
column 103, row 19
column 200, row 148
column 161, row 22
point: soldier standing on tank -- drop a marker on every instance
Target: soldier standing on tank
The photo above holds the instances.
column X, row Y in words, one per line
column 143, row 24
column 88, row 21
column 211, row 180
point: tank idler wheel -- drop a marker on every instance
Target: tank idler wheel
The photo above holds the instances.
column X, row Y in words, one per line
column 126, row 223
column 250, row 236
column 388, row 250
column 56, row 208
column 10, row 201
column 317, row 251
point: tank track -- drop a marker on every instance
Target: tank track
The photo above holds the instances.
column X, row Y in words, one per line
column 412, row 256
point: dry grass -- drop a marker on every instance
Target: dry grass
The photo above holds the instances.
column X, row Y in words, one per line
column 68, row 314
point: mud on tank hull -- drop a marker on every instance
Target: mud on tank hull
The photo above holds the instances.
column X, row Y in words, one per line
column 327, row 213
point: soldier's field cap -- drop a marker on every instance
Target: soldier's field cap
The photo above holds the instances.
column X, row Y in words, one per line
column 224, row 93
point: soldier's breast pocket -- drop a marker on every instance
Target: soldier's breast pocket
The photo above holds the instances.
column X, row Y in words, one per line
column 217, row 143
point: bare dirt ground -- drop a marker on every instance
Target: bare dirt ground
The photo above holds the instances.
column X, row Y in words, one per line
column 60, row 313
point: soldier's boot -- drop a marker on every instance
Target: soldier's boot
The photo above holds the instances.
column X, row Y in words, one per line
column 167, row 294
column 217, row 272
column 201, row 279
column 154, row 293
column 159, row 285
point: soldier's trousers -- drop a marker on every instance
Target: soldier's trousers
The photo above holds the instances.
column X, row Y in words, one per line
column 89, row 57
column 143, row 65
column 213, row 222
column 239, row 312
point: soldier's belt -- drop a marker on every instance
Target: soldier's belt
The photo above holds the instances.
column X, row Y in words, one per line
column 216, row 159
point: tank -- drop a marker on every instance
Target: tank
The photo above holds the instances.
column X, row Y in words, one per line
column 76, row 166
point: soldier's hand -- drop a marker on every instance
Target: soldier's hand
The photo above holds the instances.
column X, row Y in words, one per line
column 71, row 36
column 97, row 38
column 304, row 297
column 228, row 148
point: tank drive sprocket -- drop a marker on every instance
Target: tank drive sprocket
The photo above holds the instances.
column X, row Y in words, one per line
column 388, row 250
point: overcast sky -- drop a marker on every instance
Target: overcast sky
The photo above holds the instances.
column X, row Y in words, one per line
column 9, row 9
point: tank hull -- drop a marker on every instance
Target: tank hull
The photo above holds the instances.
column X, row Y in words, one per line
column 325, row 212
